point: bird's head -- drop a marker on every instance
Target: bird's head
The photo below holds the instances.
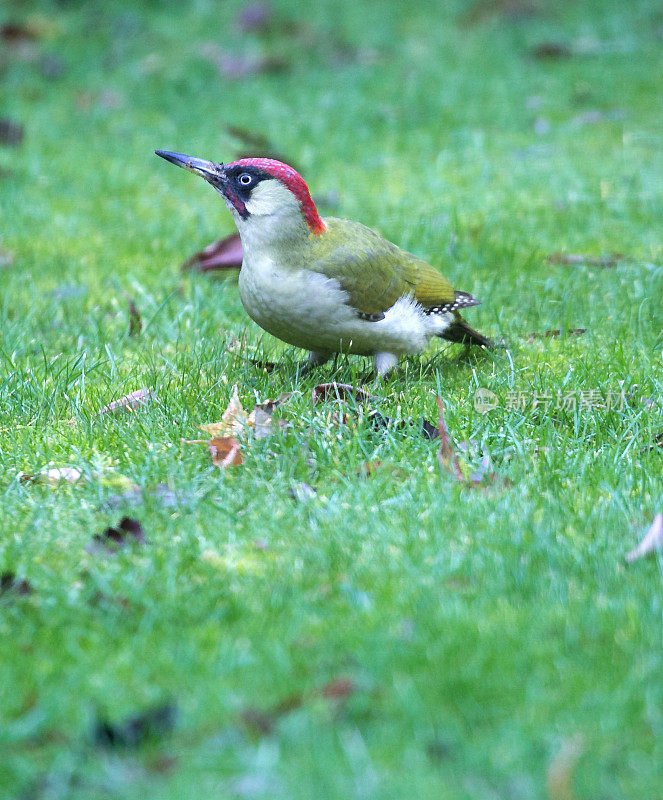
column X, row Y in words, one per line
column 265, row 196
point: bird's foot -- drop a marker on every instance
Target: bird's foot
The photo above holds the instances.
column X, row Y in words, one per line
column 384, row 364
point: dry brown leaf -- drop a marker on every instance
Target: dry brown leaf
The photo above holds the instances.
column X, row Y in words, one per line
column 130, row 402
column 559, row 777
column 233, row 421
column 550, row 50
column 225, row 253
column 652, row 541
column 11, row 132
column 10, row 583
column 445, row 454
column 129, row 531
column 236, row 420
column 555, row 332
column 339, row 391
column 225, row 452
column 135, row 320
column 260, row 419
column 338, row 689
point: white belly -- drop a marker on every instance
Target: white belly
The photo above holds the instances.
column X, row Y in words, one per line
column 308, row 310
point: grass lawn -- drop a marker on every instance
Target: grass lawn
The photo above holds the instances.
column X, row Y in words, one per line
column 300, row 626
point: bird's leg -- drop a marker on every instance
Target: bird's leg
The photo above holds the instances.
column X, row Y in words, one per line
column 314, row 360
column 384, row 363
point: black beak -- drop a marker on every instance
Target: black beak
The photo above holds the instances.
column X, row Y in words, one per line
column 209, row 170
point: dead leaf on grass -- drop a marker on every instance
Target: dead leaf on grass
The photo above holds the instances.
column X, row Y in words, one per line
column 340, row 391
column 234, row 420
column 130, row 402
column 551, row 51
column 652, row 541
column 446, row 454
column 11, row 132
column 225, row 452
column 338, row 689
column 17, row 32
column 225, row 253
column 54, row 476
column 554, row 333
column 135, row 320
column 10, row 583
column 129, row 531
column 131, row 732
column 260, row 419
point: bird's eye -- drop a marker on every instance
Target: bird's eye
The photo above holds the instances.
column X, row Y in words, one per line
column 245, row 179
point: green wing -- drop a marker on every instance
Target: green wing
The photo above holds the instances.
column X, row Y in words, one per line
column 373, row 271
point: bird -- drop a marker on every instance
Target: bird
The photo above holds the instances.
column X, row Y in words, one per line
column 328, row 285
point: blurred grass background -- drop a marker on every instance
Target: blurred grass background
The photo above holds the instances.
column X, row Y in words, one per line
column 492, row 639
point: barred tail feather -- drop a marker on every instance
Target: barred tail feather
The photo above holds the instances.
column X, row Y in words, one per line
column 459, row 331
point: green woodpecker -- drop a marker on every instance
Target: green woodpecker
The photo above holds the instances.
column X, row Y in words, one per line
column 328, row 285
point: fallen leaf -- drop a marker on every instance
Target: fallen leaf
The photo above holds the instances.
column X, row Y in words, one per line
column 9, row 583
column 254, row 17
column 548, row 51
column 559, row 776
column 11, row 132
column 557, row 332
column 429, row 430
column 368, row 468
column 338, row 689
column 130, row 402
column 62, row 475
column 225, row 253
column 17, row 32
column 234, row 420
column 340, row 391
column 225, row 452
column 574, row 259
column 54, row 476
column 150, row 724
column 135, row 320
column 263, row 424
column 129, row 531
column 445, row 454
column 652, row 541
column 260, row 723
